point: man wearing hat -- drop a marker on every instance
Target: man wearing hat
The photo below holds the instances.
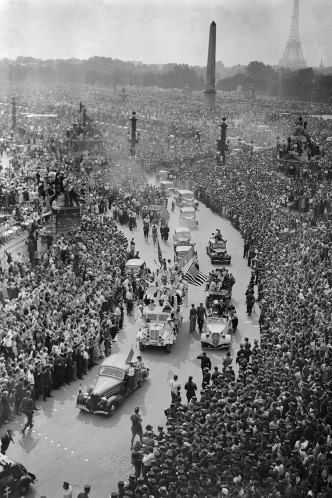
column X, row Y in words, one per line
column 136, row 426
column 205, row 361
column 201, row 314
column 28, row 406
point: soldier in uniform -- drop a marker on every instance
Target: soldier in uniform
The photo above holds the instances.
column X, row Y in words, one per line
column 28, row 407
column 6, row 440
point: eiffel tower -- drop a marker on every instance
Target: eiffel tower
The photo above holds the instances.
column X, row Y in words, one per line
column 292, row 57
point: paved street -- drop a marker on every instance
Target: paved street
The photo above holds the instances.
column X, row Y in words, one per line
column 68, row 445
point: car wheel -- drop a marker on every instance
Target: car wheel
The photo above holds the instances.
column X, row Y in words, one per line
column 168, row 348
column 141, row 346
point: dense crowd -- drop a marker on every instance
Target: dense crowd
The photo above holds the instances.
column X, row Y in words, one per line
column 264, row 432
column 57, row 316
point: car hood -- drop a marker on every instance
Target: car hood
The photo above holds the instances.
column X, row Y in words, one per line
column 158, row 326
column 105, row 384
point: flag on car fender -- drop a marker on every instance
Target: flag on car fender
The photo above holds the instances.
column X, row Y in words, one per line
column 194, row 276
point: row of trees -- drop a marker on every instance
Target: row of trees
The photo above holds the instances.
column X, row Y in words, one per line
column 263, row 79
column 304, row 84
column 101, row 71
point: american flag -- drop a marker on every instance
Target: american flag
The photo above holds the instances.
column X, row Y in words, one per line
column 194, row 276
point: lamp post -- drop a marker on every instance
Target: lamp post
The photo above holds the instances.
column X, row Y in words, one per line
column 222, row 146
column 133, row 138
column 275, row 153
column 251, row 149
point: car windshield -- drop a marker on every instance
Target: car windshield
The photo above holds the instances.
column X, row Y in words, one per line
column 219, row 245
column 188, row 196
column 116, row 373
column 157, row 317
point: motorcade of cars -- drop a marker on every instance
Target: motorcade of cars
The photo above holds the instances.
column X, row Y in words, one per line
column 15, row 480
column 112, row 385
column 159, row 327
column 216, row 250
column 181, row 236
column 185, row 198
column 188, row 216
column 135, row 266
column 216, row 333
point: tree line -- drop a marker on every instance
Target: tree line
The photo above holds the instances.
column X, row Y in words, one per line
column 304, row 84
column 100, row 71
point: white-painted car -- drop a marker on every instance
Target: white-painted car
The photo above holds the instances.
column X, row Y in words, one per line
column 216, row 333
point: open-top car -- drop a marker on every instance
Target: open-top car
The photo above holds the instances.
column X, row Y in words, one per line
column 113, row 384
column 160, row 324
column 217, row 251
column 216, row 333
column 164, row 294
column 15, row 480
column 220, row 298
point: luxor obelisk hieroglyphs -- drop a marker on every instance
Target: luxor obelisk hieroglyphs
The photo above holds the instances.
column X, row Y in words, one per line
column 210, row 86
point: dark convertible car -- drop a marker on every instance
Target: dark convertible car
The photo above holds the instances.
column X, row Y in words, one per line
column 112, row 385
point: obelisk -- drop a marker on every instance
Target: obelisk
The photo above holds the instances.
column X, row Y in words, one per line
column 210, row 86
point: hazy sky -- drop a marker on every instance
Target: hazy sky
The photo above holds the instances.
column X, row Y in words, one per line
column 160, row 31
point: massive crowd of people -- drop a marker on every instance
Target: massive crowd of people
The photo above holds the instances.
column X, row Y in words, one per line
column 268, row 431
column 264, row 432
